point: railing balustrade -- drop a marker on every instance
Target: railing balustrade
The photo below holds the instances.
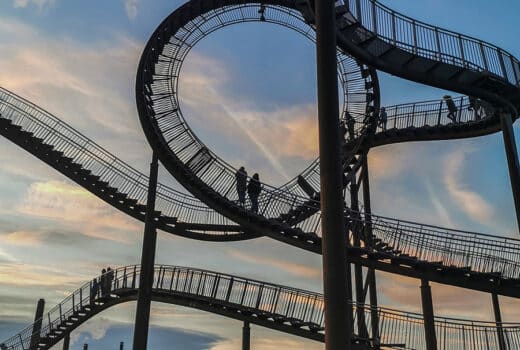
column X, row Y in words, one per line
column 126, row 179
column 434, row 43
column 273, row 301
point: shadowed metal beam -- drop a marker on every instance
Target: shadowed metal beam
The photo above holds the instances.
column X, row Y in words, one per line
column 337, row 325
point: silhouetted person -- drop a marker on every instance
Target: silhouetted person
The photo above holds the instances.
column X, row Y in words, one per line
column 253, row 190
column 262, row 12
column 452, row 109
column 241, row 178
column 474, row 105
column 103, row 282
column 109, row 279
column 94, row 290
column 350, row 122
column 383, row 117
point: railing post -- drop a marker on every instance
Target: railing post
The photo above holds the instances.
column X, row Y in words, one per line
column 440, row 113
column 438, row 44
column 512, row 160
column 246, row 336
column 498, row 320
column 66, row 341
column 429, row 322
column 374, row 17
column 484, row 59
column 337, row 323
column 461, row 48
column 414, row 27
column 394, row 31
column 144, row 297
column 358, row 12
column 502, row 65
column 37, row 326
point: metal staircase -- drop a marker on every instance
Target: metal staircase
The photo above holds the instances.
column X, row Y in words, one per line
column 273, row 306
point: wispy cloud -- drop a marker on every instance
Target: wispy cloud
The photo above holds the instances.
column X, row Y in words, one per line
column 23, row 238
column 18, row 274
column 470, row 202
column 76, row 207
column 285, row 138
column 131, row 8
column 25, row 3
column 271, row 343
column 294, row 269
column 69, row 79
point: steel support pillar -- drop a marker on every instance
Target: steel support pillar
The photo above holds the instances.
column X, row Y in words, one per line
column 498, row 320
column 144, row 296
column 358, row 269
column 371, row 275
column 512, row 160
column 66, row 342
column 429, row 321
column 246, row 336
column 338, row 329
column 37, row 327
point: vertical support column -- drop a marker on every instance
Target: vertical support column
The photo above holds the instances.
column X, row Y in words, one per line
column 144, row 297
column 429, row 322
column 85, row 346
column 246, row 336
column 338, row 328
column 37, row 327
column 66, row 342
column 371, row 275
column 121, row 345
column 512, row 160
column 498, row 320
column 358, row 269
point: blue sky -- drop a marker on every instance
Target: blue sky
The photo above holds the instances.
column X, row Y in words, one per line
column 78, row 60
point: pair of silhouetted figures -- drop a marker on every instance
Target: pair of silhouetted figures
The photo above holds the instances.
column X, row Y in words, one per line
column 253, row 188
column 476, row 105
column 103, row 285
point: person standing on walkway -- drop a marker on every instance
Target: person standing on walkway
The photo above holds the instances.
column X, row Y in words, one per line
column 452, row 109
column 241, row 179
column 383, row 117
column 253, row 190
column 109, row 279
column 103, row 282
column 94, row 290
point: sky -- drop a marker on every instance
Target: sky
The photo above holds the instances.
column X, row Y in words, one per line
column 248, row 91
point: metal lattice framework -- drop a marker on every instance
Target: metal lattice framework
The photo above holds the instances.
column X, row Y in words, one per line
column 370, row 36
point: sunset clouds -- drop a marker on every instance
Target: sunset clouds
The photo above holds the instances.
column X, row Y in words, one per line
column 55, row 235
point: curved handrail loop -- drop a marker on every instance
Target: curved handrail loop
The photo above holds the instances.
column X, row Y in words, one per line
column 197, row 168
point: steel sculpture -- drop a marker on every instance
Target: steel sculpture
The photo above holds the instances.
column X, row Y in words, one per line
column 370, row 36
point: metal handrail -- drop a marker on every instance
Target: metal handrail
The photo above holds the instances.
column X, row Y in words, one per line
column 435, row 113
column 433, row 42
column 53, row 131
column 274, row 300
column 177, row 135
